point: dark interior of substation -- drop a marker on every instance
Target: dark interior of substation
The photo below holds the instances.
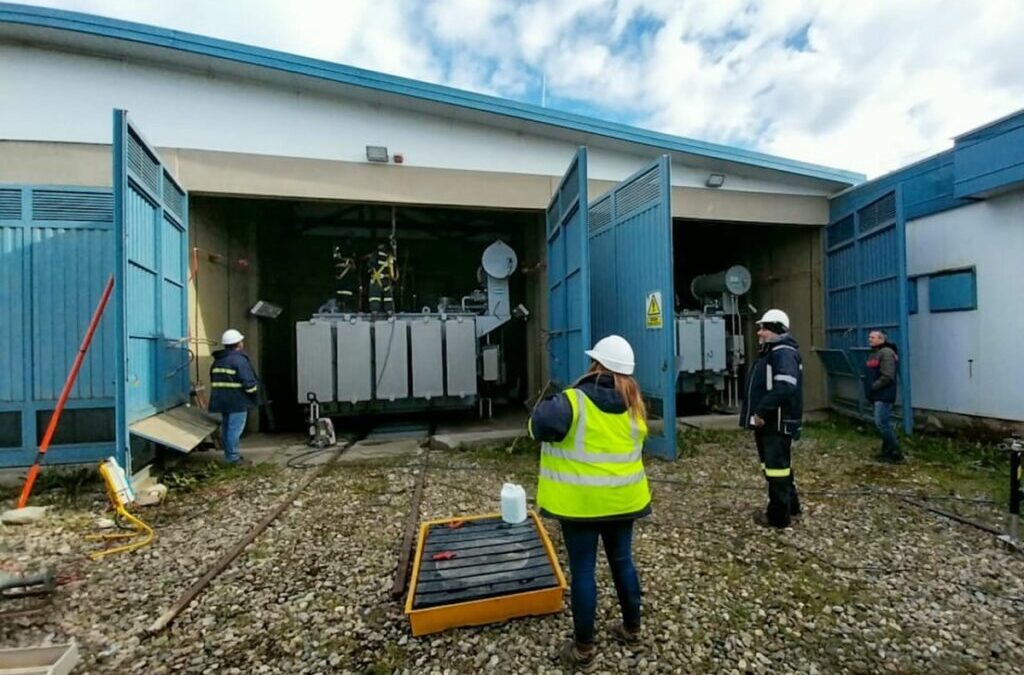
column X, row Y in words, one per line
column 438, row 252
column 782, row 262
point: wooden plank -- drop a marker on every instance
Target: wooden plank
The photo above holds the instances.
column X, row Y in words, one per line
column 511, row 557
column 482, row 542
column 480, row 593
column 472, row 573
column 181, row 428
column 409, row 538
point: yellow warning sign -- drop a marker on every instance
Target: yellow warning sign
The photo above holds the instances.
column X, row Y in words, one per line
column 653, row 306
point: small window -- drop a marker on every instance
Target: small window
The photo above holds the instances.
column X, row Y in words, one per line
column 10, row 429
column 912, row 295
column 78, row 425
column 953, row 291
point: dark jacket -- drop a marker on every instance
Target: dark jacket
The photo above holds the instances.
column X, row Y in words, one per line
column 881, row 373
column 233, row 383
column 775, row 388
column 552, row 418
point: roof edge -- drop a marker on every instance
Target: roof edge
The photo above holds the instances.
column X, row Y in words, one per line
column 300, row 65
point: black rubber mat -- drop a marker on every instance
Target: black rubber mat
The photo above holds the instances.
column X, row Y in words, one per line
column 489, row 558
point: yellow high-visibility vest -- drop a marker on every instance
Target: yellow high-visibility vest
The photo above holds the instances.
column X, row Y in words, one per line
column 597, row 470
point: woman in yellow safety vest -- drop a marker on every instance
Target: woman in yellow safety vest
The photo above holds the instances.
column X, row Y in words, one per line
column 592, row 481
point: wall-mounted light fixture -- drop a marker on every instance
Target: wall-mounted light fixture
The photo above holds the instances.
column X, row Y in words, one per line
column 715, row 180
column 376, row 153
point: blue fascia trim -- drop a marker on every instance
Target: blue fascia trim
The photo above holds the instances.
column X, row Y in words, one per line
column 347, row 75
column 1014, row 120
column 927, row 187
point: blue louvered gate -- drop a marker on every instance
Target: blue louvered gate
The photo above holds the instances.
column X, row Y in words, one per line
column 568, row 275
column 151, row 240
column 865, row 288
column 56, row 252
column 631, row 264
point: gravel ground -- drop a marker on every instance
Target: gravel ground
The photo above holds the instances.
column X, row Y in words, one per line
column 864, row 584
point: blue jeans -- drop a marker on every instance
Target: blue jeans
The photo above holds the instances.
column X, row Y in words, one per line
column 581, row 544
column 231, row 427
column 883, row 422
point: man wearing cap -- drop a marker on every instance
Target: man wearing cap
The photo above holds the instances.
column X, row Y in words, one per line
column 773, row 408
column 234, row 391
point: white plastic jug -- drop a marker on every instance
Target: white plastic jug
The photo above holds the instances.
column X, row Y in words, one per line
column 513, row 503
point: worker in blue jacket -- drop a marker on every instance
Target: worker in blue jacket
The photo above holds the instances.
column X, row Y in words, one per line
column 235, row 391
column 774, row 410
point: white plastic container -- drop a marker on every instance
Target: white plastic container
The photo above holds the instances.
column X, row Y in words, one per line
column 513, row 503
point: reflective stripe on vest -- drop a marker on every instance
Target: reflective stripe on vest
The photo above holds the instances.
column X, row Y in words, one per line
column 597, row 469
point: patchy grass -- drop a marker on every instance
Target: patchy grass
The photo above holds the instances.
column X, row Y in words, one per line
column 57, row 486
column 186, row 477
column 952, row 466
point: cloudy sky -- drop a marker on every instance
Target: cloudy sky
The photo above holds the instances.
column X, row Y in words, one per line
column 866, row 86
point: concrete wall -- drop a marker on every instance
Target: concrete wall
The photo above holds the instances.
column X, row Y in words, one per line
column 968, row 362
column 224, row 271
column 212, row 110
column 786, row 266
column 250, row 175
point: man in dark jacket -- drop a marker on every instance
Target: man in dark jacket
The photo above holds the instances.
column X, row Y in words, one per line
column 774, row 410
column 880, row 386
column 234, row 391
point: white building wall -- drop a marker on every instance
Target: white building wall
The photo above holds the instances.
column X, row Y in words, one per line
column 65, row 97
column 970, row 362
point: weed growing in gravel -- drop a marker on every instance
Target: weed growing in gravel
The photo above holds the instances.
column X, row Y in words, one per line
column 67, row 488
column 189, row 477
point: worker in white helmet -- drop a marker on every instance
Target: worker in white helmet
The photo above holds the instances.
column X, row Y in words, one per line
column 774, row 410
column 592, row 481
column 235, row 391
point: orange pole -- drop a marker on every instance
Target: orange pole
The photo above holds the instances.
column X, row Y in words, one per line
column 51, row 428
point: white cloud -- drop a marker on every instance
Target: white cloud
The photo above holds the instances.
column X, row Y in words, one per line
column 878, row 85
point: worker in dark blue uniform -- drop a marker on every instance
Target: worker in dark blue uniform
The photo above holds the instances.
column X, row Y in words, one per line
column 774, row 410
column 235, row 390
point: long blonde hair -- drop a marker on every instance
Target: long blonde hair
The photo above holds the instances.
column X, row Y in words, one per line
column 627, row 387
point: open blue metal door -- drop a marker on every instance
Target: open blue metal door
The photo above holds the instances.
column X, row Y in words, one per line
column 151, row 240
column 632, row 288
column 865, row 289
column 569, row 275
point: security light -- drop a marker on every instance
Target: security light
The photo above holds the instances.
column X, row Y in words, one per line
column 715, row 180
column 376, row 153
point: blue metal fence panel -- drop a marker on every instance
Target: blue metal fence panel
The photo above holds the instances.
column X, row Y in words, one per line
column 866, row 289
column 56, row 252
column 568, row 275
column 151, row 241
column 631, row 262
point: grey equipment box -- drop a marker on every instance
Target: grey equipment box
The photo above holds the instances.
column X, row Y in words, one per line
column 427, row 357
column 460, row 340
column 714, row 343
column 354, row 359
column 689, row 347
column 313, row 351
column 391, row 357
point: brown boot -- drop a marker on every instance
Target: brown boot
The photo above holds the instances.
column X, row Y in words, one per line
column 623, row 635
column 571, row 655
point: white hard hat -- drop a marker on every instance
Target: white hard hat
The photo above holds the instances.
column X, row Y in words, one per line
column 231, row 337
column 775, row 316
column 614, row 353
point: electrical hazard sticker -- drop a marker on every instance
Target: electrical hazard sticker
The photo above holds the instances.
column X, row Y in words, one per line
column 653, row 306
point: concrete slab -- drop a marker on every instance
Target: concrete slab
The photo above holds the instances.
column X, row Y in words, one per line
column 468, row 440
column 368, row 450
column 717, row 422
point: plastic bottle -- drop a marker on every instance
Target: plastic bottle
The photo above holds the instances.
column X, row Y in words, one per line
column 513, row 503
